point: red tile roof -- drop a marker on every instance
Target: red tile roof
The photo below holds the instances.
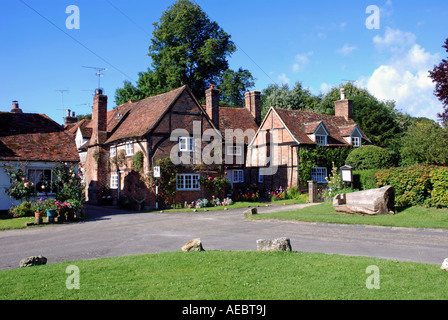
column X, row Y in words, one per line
column 301, row 123
column 34, row 137
column 236, row 118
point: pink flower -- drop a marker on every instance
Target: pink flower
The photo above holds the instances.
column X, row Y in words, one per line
column 26, row 184
column 222, row 179
column 215, row 178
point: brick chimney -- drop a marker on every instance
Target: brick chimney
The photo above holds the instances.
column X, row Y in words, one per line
column 343, row 107
column 99, row 117
column 70, row 119
column 212, row 104
column 15, row 107
column 253, row 104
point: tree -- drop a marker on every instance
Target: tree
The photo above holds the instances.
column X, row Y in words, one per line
column 424, row 143
column 233, row 86
column 188, row 48
column 297, row 98
column 369, row 157
column 375, row 118
column 439, row 76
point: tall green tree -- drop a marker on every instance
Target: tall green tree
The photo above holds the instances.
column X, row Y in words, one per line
column 424, row 143
column 233, row 86
column 297, row 98
column 187, row 48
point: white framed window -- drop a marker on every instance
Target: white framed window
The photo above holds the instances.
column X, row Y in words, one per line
column 321, row 140
column 319, row 174
column 260, row 177
column 238, row 176
column 39, row 178
column 234, row 151
column 186, row 144
column 188, row 181
column 129, row 148
column 113, row 151
column 114, row 181
column 356, row 141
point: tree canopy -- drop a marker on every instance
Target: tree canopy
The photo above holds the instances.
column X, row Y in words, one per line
column 439, row 76
column 187, row 48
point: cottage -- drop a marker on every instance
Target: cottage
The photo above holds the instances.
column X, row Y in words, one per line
column 273, row 155
column 34, row 142
column 166, row 125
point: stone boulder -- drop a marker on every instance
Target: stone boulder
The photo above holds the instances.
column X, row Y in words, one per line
column 193, row 245
column 250, row 212
column 368, row 202
column 32, row 261
column 280, row 244
column 445, row 265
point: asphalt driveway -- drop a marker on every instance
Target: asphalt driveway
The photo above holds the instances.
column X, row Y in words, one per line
column 113, row 232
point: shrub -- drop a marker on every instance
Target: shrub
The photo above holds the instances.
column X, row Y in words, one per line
column 22, row 210
column 439, row 193
column 369, row 157
column 412, row 184
column 365, row 179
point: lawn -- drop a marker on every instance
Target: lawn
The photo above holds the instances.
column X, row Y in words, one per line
column 224, row 275
column 413, row 217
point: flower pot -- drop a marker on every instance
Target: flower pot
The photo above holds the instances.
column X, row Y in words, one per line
column 38, row 217
column 51, row 214
column 71, row 215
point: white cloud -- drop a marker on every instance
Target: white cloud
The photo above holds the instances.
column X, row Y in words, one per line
column 405, row 78
column 394, row 41
column 284, row 79
column 301, row 60
column 346, row 49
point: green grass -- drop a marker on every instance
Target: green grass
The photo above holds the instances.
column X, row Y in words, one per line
column 7, row 222
column 223, row 275
column 413, row 217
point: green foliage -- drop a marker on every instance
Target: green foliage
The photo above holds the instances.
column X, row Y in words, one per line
column 137, row 161
column 320, row 157
column 365, row 179
column 21, row 188
column 68, row 182
column 233, row 86
column 335, row 184
column 283, row 97
column 369, row 157
column 412, row 184
column 166, row 182
column 24, row 209
column 424, row 143
column 439, row 193
column 216, row 186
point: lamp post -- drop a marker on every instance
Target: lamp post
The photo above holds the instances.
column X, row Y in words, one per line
column 347, row 175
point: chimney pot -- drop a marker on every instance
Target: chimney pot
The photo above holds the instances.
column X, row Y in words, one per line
column 15, row 107
column 253, row 104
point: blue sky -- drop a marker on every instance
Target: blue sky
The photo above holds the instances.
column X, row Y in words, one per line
column 320, row 43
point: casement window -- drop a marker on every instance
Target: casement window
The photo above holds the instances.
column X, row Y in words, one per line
column 113, row 151
column 129, row 148
column 237, row 176
column 114, row 181
column 39, row 178
column 188, row 182
column 234, row 151
column 186, row 144
column 319, row 174
column 321, row 140
column 356, row 141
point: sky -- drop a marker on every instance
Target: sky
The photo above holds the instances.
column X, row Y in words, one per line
column 320, row 43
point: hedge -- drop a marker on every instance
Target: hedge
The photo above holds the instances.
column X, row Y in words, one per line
column 369, row 157
column 417, row 185
column 365, row 179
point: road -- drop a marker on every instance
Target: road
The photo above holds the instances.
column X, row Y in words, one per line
column 113, row 232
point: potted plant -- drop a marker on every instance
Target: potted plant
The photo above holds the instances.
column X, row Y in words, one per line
column 62, row 209
column 76, row 206
column 51, row 208
column 38, row 206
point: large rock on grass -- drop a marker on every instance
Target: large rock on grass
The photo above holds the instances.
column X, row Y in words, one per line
column 367, row 202
column 280, row 244
column 32, row 261
column 193, row 245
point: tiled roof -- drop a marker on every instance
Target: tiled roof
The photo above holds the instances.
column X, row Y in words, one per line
column 300, row 124
column 236, row 118
column 137, row 119
column 34, row 137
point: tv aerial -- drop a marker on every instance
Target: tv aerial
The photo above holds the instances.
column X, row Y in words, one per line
column 99, row 74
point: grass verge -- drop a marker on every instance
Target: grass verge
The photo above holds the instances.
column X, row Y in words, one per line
column 413, row 217
column 224, row 275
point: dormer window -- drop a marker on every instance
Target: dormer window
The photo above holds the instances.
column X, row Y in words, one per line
column 321, row 140
column 356, row 141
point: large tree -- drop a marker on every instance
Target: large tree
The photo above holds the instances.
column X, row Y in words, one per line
column 187, row 48
column 375, row 118
column 233, row 86
column 439, row 76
